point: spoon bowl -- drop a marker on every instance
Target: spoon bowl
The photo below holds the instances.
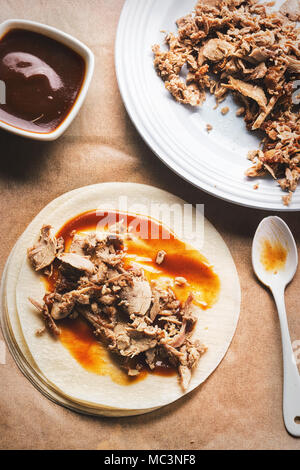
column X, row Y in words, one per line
column 274, row 231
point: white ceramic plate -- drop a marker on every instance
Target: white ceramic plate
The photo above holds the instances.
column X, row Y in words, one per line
column 214, row 162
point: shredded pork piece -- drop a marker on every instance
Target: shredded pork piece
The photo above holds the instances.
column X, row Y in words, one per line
column 43, row 253
column 160, row 256
column 291, row 9
column 245, row 48
column 180, row 281
column 224, row 110
column 135, row 319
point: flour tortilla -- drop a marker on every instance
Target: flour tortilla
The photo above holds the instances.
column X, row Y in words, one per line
column 20, row 352
column 215, row 326
column 13, row 334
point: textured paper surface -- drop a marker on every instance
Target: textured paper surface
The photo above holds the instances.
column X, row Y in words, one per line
column 239, row 406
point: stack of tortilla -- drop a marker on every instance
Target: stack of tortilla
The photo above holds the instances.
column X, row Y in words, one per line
column 50, row 366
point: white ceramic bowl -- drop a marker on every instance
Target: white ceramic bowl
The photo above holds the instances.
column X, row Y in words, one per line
column 74, row 44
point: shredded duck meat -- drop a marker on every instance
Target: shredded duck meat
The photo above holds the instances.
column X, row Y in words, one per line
column 141, row 322
column 252, row 51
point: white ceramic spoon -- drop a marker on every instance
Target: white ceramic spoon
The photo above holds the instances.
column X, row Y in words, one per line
column 275, row 230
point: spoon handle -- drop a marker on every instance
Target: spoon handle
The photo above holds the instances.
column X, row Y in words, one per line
column 291, row 378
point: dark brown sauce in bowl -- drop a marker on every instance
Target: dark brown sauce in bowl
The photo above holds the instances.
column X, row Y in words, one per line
column 181, row 260
column 42, row 77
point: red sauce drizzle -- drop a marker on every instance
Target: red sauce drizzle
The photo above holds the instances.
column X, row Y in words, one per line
column 181, row 260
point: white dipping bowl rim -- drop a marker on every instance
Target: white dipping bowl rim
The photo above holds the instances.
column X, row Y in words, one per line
column 73, row 44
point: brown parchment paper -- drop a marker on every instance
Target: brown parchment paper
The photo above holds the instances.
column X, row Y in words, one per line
column 239, row 406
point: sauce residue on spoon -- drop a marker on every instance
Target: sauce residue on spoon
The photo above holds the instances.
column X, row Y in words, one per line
column 181, row 261
column 273, row 255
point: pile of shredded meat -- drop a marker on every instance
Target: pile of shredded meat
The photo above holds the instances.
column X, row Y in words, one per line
column 143, row 323
column 244, row 47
